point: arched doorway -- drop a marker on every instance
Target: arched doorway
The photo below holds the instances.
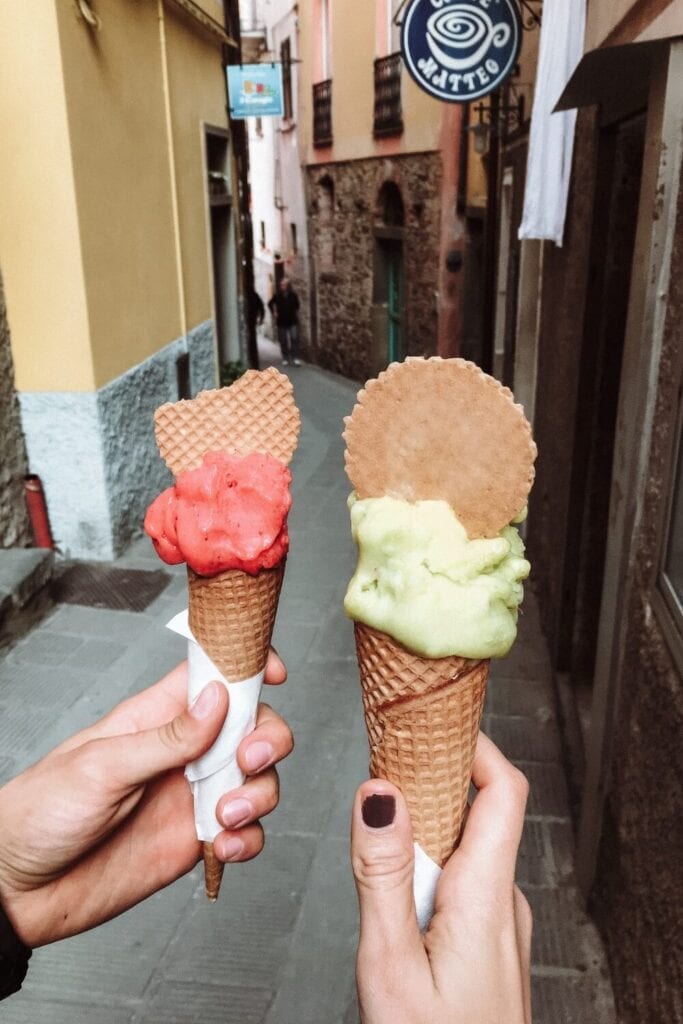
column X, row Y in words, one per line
column 388, row 290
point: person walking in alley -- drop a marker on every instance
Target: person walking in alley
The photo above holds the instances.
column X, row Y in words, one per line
column 106, row 819
column 284, row 306
column 256, row 307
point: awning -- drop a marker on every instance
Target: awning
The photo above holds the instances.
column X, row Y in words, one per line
column 616, row 77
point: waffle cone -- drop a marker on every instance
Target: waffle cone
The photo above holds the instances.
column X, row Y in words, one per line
column 422, row 717
column 232, row 617
column 213, row 872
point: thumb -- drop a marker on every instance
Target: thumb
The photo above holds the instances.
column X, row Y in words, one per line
column 134, row 758
column 382, row 857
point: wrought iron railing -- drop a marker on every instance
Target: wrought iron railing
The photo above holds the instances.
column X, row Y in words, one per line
column 322, row 113
column 388, row 112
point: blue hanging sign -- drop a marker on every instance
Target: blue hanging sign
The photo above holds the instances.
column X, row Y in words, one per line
column 255, row 90
column 461, row 50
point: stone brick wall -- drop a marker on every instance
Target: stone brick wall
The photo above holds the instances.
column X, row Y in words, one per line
column 638, row 889
column 636, row 897
column 14, row 525
column 345, row 325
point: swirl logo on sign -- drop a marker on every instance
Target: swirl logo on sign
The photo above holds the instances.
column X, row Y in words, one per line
column 460, row 50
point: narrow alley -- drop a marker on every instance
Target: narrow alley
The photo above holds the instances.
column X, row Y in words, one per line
column 279, row 946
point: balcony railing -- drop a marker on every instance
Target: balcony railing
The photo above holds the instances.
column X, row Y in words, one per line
column 322, row 113
column 388, row 113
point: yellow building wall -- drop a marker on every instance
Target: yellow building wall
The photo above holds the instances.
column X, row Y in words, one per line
column 121, row 153
column 214, row 8
column 39, row 236
column 603, row 16
column 353, row 54
column 119, row 147
column 668, row 23
column 97, row 276
column 198, row 97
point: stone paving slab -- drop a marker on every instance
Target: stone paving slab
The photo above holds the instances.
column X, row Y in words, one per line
column 30, row 1011
column 184, row 1002
column 280, row 945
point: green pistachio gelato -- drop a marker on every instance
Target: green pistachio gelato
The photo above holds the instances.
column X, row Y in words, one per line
column 425, row 583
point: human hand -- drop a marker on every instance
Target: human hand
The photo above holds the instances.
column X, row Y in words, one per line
column 473, row 964
column 106, row 819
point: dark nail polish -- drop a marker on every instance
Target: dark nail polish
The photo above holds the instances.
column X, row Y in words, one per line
column 378, row 810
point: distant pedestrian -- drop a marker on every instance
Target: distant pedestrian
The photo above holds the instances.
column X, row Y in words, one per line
column 258, row 310
column 284, row 306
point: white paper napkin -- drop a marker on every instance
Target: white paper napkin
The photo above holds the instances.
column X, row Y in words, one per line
column 425, row 881
column 217, row 771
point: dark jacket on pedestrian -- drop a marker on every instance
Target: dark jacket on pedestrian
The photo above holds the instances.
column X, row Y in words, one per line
column 258, row 310
column 285, row 306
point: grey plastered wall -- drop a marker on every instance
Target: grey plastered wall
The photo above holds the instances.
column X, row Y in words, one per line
column 14, row 526
column 96, row 453
column 134, row 471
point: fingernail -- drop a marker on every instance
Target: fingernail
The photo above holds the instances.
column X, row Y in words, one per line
column 206, row 702
column 378, row 810
column 232, row 848
column 258, row 755
column 276, row 663
column 237, row 813
column 278, row 659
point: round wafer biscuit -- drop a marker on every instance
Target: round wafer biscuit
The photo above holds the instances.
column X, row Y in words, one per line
column 255, row 414
column 442, row 429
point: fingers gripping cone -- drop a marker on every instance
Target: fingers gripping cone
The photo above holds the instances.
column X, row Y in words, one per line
column 232, row 614
column 457, row 436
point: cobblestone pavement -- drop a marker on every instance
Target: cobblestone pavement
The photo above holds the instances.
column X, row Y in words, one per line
column 279, row 946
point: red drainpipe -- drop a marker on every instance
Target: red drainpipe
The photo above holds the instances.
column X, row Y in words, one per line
column 37, row 511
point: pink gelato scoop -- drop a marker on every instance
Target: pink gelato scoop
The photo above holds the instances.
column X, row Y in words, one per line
column 231, row 513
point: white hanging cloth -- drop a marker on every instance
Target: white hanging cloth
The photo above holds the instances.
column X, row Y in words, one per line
column 551, row 142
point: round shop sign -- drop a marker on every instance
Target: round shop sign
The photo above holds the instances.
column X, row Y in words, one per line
column 461, row 50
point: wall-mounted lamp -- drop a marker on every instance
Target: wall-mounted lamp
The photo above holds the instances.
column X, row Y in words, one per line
column 509, row 118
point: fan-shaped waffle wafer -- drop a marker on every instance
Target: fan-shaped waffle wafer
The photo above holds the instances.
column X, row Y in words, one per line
column 441, row 429
column 256, row 414
column 422, row 717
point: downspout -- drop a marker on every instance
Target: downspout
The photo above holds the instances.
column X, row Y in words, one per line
column 171, row 166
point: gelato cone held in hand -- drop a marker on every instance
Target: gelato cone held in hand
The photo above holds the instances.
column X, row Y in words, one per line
column 226, row 518
column 439, row 578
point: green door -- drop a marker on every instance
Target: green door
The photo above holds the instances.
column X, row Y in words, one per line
column 394, row 271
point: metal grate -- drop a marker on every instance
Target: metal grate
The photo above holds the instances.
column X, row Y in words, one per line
column 388, row 112
column 322, row 113
column 100, row 586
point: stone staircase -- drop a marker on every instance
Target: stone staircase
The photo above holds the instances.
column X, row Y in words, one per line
column 25, row 575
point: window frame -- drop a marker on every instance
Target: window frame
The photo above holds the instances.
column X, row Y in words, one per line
column 287, row 83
